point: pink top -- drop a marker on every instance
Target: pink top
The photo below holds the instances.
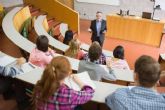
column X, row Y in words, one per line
column 80, row 55
column 118, row 63
column 40, row 58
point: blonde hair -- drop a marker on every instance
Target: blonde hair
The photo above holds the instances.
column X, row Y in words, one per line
column 56, row 71
column 73, row 49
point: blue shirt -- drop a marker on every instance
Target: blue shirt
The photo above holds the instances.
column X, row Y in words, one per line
column 137, row 98
column 9, row 71
column 98, row 27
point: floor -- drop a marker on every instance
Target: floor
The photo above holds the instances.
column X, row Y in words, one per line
column 132, row 49
column 7, row 104
column 132, row 52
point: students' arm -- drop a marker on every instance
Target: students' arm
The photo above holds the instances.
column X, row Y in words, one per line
column 9, row 71
column 12, row 71
column 109, row 75
column 81, row 97
column 48, row 56
column 78, row 81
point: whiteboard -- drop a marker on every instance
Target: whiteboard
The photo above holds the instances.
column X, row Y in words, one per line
column 161, row 3
column 104, row 2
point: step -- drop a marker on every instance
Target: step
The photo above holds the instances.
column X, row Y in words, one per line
column 33, row 9
column 38, row 13
column 50, row 18
column 53, row 23
column 56, row 30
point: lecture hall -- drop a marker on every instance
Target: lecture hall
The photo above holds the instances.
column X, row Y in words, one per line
column 82, row 55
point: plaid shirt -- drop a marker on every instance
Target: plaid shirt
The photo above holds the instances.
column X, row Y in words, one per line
column 65, row 99
column 102, row 59
column 9, row 71
column 136, row 98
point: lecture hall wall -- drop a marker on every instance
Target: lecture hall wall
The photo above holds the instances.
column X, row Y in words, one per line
column 87, row 11
column 136, row 7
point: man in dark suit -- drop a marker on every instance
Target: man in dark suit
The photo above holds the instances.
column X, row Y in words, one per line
column 98, row 29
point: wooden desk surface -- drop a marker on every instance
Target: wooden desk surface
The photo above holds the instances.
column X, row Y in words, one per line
column 135, row 29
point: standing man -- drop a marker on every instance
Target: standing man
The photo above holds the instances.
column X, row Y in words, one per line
column 98, row 29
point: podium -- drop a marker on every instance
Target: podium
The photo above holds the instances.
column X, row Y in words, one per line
column 136, row 29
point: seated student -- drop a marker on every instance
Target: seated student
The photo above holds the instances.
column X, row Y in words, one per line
column 68, row 37
column 50, row 92
column 12, row 71
column 118, row 60
column 102, row 58
column 144, row 95
column 74, row 50
column 95, row 71
column 5, row 77
column 41, row 55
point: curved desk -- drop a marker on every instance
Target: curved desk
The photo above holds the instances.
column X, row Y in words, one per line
column 13, row 34
column 39, row 28
column 99, row 95
column 28, row 45
column 20, row 41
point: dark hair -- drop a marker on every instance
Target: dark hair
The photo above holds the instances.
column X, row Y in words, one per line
column 148, row 71
column 42, row 43
column 98, row 12
column 68, row 37
column 94, row 51
column 118, row 52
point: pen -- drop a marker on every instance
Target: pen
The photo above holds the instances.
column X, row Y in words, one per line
column 31, row 65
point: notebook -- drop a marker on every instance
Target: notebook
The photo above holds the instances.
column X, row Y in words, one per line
column 27, row 67
column 84, row 77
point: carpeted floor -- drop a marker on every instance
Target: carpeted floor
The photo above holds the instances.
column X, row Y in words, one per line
column 132, row 49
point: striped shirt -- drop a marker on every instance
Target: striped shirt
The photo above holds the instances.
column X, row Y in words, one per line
column 9, row 71
column 136, row 98
column 65, row 99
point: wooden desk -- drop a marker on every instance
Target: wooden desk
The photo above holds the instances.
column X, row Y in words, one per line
column 135, row 29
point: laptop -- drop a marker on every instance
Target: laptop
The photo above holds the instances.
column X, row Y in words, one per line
column 146, row 15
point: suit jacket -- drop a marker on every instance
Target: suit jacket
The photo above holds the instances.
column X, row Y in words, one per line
column 94, row 30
